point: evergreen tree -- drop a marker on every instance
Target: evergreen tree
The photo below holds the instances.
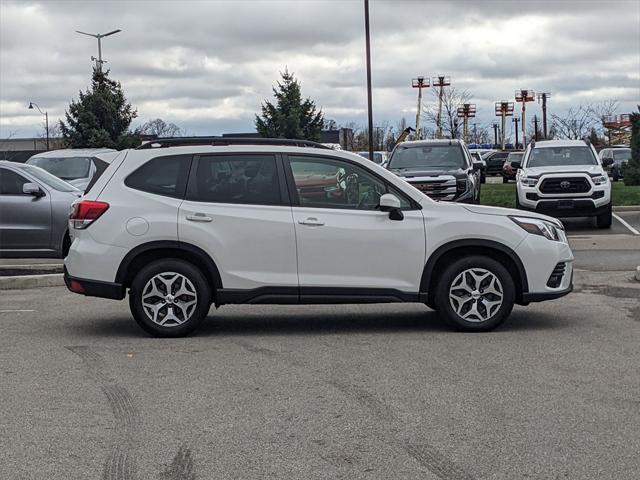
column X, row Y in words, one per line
column 290, row 117
column 631, row 171
column 101, row 117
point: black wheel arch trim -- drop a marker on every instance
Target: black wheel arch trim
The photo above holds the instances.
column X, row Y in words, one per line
column 199, row 253
column 425, row 281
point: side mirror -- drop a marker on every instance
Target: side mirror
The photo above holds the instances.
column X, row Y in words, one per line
column 390, row 203
column 516, row 164
column 607, row 161
column 477, row 165
column 32, row 189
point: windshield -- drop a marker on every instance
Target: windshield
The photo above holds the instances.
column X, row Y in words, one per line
column 431, row 156
column 51, row 180
column 514, row 157
column 622, row 154
column 561, row 156
column 65, row 168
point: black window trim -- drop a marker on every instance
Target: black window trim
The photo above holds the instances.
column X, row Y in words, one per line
column 293, row 193
column 28, row 180
column 191, row 189
column 179, row 196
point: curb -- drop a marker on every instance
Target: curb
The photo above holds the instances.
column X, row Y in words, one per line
column 31, row 281
column 627, row 208
column 638, row 274
column 35, row 269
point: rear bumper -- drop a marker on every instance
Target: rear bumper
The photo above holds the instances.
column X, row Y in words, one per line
column 94, row 288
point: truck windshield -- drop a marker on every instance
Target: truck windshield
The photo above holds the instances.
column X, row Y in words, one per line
column 560, row 156
column 429, row 156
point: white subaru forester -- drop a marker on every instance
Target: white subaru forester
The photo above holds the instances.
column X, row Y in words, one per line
column 185, row 223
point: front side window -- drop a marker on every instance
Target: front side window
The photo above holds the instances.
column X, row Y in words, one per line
column 447, row 157
column 165, row 176
column 330, row 183
column 11, row 183
column 246, row 179
column 561, row 156
column 70, row 168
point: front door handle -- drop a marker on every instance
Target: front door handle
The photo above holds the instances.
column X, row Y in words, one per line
column 199, row 217
column 311, row 222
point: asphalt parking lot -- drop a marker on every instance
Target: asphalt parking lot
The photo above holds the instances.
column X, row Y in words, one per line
column 374, row 391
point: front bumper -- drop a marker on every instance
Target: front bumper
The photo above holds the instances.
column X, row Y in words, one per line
column 94, row 288
column 566, row 207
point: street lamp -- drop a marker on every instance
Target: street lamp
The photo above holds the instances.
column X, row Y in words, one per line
column 46, row 119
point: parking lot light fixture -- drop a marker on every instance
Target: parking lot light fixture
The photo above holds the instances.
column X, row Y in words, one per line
column 46, row 119
column 504, row 109
column 543, row 97
column 440, row 81
column 466, row 111
column 419, row 83
column 523, row 96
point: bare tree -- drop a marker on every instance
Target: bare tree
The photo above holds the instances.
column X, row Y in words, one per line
column 579, row 122
column 160, row 128
column 451, row 98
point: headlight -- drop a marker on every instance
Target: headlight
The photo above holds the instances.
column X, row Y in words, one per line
column 528, row 182
column 535, row 226
column 600, row 179
column 463, row 185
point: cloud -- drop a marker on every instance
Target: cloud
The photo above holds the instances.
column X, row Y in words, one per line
column 208, row 66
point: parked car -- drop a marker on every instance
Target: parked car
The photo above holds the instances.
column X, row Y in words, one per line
column 34, row 212
column 182, row 226
column 75, row 166
column 379, row 156
column 509, row 167
column 619, row 157
column 442, row 169
column 495, row 161
column 563, row 178
column 477, row 157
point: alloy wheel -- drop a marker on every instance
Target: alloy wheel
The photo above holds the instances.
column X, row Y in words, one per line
column 169, row 299
column 476, row 295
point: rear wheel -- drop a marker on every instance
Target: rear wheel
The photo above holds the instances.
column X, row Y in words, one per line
column 475, row 293
column 169, row 298
column 604, row 220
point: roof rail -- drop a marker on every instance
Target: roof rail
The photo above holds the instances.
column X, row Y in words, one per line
column 226, row 141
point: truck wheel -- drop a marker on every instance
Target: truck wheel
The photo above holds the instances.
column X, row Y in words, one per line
column 169, row 298
column 604, row 219
column 475, row 294
column 505, row 179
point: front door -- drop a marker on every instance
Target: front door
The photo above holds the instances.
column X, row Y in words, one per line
column 25, row 220
column 343, row 239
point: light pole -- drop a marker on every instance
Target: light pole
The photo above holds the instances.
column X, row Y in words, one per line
column 523, row 96
column 46, row 119
column 368, row 53
column 504, row 109
column 516, row 120
column 440, row 81
column 466, row 111
column 419, row 83
column 99, row 36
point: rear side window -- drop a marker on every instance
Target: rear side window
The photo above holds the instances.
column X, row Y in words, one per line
column 101, row 166
column 165, row 176
column 246, row 179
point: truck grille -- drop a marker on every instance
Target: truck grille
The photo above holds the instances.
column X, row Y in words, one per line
column 440, row 188
column 555, row 279
column 565, row 185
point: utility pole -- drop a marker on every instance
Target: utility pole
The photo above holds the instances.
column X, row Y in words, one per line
column 504, row 109
column 523, row 96
column 475, row 133
column 419, row 83
column 465, row 111
column 46, row 119
column 368, row 53
column 516, row 120
column 99, row 36
column 440, row 81
column 495, row 133
column 535, row 127
column 543, row 97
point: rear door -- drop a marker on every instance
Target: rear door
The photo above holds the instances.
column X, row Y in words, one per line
column 25, row 220
column 344, row 241
column 237, row 210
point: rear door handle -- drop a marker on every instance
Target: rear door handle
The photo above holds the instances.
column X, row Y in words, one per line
column 311, row 222
column 199, row 217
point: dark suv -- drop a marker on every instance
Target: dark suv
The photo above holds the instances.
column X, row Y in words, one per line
column 442, row 169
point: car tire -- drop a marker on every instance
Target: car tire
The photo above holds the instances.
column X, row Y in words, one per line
column 483, row 178
column 157, row 304
column 605, row 219
column 615, row 177
column 518, row 206
column 475, row 294
column 505, row 179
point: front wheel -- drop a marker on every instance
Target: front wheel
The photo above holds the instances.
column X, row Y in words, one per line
column 169, row 298
column 475, row 293
column 604, row 220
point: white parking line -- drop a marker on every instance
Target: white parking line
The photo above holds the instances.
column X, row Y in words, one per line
column 16, row 311
column 631, row 229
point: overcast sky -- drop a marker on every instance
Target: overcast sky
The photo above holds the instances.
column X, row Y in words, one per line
column 208, row 65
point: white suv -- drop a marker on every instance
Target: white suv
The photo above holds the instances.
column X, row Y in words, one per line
column 564, row 178
column 185, row 223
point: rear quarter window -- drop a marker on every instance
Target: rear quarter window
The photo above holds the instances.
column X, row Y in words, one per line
column 165, row 176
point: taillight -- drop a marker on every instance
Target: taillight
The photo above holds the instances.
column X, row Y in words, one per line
column 85, row 212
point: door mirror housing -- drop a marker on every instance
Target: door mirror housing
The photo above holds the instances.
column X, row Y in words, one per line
column 477, row 165
column 516, row 164
column 390, row 203
column 606, row 162
column 32, row 189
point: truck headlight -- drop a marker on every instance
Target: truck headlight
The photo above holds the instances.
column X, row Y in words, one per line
column 528, row 182
column 536, row 226
column 600, row 179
